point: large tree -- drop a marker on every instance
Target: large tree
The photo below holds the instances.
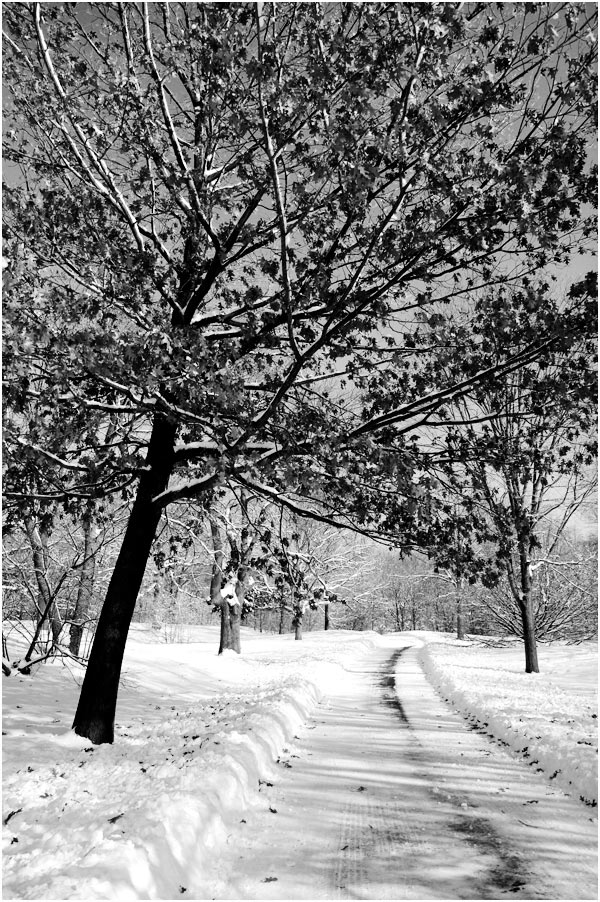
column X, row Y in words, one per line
column 217, row 215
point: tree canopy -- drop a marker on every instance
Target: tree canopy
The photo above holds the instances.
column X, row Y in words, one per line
column 220, row 205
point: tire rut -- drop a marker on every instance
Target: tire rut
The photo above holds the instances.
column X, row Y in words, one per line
column 380, row 805
column 371, row 832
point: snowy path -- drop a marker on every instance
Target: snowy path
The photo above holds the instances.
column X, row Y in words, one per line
column 391, row 796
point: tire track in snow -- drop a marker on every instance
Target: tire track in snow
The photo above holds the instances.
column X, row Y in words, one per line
column 550, row 855
column 350, row 866
column 381, row 804
column 506, row 871
column 388, row 836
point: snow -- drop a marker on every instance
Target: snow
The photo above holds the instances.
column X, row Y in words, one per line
column 200, row 738
column 550, row 717
column 195, row 733
column 391, row 796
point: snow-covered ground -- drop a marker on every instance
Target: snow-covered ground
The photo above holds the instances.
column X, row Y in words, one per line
column 550, row 718
column 195, row 734
column 199, row 739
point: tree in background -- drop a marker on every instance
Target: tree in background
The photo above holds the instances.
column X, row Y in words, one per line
column 55, row 566
column 233, row 569
column 525, row 463
column 218, row 216
column 564, row 594
column 308, row 566
column 400, row 593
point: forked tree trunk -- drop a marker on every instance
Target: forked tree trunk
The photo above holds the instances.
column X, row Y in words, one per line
column 95, row 713
column 85, row 588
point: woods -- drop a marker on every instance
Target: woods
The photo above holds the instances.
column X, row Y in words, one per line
column 256, row 250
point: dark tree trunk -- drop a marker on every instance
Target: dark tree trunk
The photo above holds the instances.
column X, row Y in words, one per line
column 281, row 618
column 460, row 630
column 526, row 607
column 298, row 614
column 326, row 608
column 95, row 713
column 230, row 627
column 85, row 588
column 529, row 638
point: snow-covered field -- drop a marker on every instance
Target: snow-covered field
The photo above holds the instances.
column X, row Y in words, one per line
column 199, row 736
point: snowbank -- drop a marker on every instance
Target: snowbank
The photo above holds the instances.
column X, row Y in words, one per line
column 197, row 736
column 550, row 718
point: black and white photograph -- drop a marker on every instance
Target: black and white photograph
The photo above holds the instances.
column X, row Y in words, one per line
column 300, row 572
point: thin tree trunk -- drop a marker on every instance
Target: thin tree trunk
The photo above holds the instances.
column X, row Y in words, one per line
column 522, row 590
column 54, row 617
column 86, row 586
column 460, row 629
column 281, row 618
column 36, row 634
column 528, row 621
column 326, row 608
column 47, row 609
column 95, row 713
